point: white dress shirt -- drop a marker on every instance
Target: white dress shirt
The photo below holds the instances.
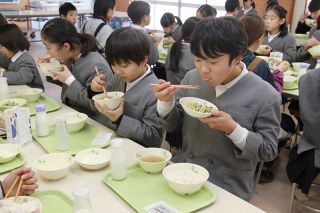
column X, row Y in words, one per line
column 271, row 37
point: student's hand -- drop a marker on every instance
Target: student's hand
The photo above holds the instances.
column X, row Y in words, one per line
column 29, row 184
column 310, row 43
column 97, row 83
column 112, row 115
column 44, row 59
column 61, row 76
column 265, row 51
column 303, row 17
column 283, row 66
column 164, row 91
column 220, row 121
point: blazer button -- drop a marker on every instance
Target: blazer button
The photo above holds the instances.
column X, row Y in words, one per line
column 210, row 161
column 191, row 155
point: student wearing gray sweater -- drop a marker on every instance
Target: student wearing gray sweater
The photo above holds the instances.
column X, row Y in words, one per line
column 22, row 68
column 172, row 26
column 244, row 129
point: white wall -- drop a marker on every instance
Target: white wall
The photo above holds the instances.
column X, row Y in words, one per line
column 298, row 11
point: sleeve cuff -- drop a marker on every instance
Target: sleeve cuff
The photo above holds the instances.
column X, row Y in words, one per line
column 2, row 194
column 239, row 136
column 69, row 80
column 164, row 108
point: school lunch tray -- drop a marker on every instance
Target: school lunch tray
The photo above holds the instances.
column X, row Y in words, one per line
column 78, row 140
column 51, row 105
column 54, row 201
column 141, row 189
column 13, row 164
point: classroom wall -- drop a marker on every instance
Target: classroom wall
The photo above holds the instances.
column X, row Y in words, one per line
column 299, row 8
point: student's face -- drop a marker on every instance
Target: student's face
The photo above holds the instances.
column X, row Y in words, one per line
column 315, row 15
column 61, row 53
column 247, row 4
column 129, row 71
column 217, row 71
column 272, row 21
column 4, row 51
column 110, row 13
column 169, row 29
column 72, row 16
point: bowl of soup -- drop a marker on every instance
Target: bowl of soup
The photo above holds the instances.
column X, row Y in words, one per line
column 185, row 178
column 23, row 204
column 75, row 121
column 152, row 160
column 196, row 107
column 30, row 94
column 111, row 102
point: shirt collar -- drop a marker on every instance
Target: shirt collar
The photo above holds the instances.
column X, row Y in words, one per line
column 17, row 55
column 133, row 83
column 138, row 27
column 271, row 37
column 246, row 11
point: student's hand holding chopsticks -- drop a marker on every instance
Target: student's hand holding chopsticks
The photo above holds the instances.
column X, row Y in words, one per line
column 29, row 182
column 97, row 83
column 164, row 91
column 220, row 121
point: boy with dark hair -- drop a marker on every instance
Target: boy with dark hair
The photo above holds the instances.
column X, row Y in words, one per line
column 244, row 129
column 69, row 12
column 136, row 117
column 232, row 7
column 139, row 13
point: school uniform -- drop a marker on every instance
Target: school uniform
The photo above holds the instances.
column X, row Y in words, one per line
column 231, row 160
column 74, row 92
column 302, row 28
column 176, row 33
column 154, row 54
column 4, row 61
column 305, row 56
column 22, row 69
column 186, row 64
column 243, row 12
column 139, row 121
column 285, row 44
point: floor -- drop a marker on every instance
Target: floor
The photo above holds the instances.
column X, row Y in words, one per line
column 271, row 197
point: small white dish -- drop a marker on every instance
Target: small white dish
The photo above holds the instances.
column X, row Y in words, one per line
column 112, row 102
column 8, row 151
column 75, row 121
column 30, row 94
column 93, row 159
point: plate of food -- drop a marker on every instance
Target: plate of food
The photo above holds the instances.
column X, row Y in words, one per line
column 23, row 204
column 196, row 107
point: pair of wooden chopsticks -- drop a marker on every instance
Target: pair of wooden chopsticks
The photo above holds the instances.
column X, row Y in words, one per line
column 18, row 189
column 104, row 88
column 183, row 86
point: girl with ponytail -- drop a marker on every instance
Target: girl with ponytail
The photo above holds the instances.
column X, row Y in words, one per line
column 171, row 25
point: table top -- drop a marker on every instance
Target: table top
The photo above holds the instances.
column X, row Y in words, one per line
column 294, row 94
column 103, row 198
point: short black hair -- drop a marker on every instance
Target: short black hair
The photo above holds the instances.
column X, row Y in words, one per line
column 127, row 44
column 314, row 6
column 137, row 10
column 281, row 13
column 232, row 5
column 101, row 7
column 214, row 37
column 65, row 8
column 207, row 11
column 3, row 19
column 168, row 19
column 12, row 38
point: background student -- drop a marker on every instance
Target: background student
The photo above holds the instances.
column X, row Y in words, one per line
column 232, row 7
column 206, row 11
column 22, row 68
column 171, row 26
column 69, row 12
column 248, row 7
column 4, row 61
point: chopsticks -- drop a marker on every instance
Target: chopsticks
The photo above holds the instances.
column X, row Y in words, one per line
column 103, row 87
column 182, row 86
column 18, row 189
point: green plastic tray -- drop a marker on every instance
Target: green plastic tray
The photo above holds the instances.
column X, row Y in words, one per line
column 141, row 189
column 52, row 105
column 78, row 140
column 54, row 201
column 11, row 165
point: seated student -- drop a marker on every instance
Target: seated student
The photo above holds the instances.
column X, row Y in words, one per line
column 249, row 7
column 103, row 11
column 139, row 13
column 277, row 36
column 171, row 26
column 302, row 53
column 244, row 130
column 206, row 11
column 254, row 27
column 79, row 53
column 69, row 12
column 136, row 117
column 314, row 9
column 4, row 61
column 232, row 7
column 22, row 68
column 180, row 59
column 29, row 182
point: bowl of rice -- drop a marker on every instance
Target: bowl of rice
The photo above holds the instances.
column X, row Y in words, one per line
column 23, row 204
column 111, row 102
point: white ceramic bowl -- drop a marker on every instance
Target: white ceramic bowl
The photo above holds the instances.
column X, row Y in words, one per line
column 12, row 102
column 185, row 178
column 112, row 102
column 30, row 94
column 93, row 159
column 47, row 67
column 186, row 101
column 296, row 66
column 22, row 204
column 75, row 121
column 152, row 160
column 310, row 22
column 53, row 166
column 266, row 58
column 8, row 151
column 315, row 51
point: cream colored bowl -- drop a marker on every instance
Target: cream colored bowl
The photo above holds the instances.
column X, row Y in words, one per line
column 93, row 159
column 202, row 108
column 12, row 102
column 53, row 166
column 30, row 94
column 296, row 66
column 47, row 67
column 315, row 51
column 22, row 204
column 301, row 36
column 75, row 121
column 266, row 58
column 8, row 151
column 310, row 22
column 112, row 102
column 185, row 178
column 152, row 160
